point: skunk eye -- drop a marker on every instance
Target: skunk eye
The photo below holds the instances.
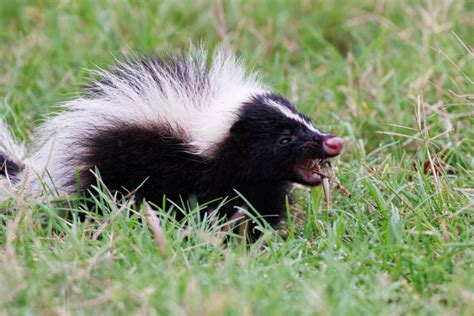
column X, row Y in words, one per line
column 285, row 140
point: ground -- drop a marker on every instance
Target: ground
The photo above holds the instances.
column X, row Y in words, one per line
column 393, row 77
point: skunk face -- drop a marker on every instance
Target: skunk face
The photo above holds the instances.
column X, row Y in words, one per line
column 277, row 143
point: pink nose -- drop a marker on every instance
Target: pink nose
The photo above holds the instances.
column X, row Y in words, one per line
column 333, row 146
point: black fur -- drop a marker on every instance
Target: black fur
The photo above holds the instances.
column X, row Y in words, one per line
column 250, row 160
column 8, row 167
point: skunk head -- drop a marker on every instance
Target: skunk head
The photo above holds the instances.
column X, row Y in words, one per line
column 277, row 143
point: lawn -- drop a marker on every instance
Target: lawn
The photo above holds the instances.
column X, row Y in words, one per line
column 395, row 78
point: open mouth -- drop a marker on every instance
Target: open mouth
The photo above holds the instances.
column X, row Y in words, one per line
column 311, row 172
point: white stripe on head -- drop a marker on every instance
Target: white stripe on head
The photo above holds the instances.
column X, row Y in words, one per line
column 294, row 116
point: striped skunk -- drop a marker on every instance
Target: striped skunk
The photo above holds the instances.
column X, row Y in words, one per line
column 179, row 127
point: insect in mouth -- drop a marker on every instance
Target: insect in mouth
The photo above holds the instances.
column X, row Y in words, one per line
column 324, row 169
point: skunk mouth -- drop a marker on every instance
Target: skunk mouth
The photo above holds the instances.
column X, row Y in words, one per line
column 309, row 172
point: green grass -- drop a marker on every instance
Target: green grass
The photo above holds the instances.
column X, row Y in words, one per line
column 401, row 244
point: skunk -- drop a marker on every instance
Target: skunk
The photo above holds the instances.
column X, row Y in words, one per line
column 179, row 127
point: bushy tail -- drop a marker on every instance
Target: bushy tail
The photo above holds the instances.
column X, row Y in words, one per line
column 12, row 154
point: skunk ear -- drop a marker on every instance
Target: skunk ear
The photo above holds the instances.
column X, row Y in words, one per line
column 239, row 132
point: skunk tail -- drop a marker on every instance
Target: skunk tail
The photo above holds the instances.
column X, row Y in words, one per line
column 12, row 154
